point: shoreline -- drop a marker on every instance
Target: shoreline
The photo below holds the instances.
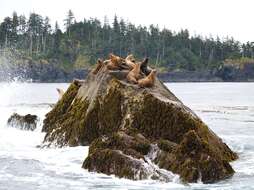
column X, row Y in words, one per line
column 164, row 81
column 52, row 74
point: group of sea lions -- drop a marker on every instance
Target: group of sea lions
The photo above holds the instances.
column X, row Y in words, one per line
column 139, row 72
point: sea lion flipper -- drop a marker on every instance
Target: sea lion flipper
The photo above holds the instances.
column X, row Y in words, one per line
column 130, row 61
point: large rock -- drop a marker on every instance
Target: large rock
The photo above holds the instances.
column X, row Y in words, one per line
column 27, row 122
column 125, row 156
column 136, row 133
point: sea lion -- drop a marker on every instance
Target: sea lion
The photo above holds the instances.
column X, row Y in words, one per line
column 98, row 66
column 115, row 62
column 60, row 93
column 130, row 61
column 145, row 68
column 134, row 74
column 149, row 80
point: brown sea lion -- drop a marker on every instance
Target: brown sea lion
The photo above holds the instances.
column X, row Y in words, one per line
column 134, row 74
column 60, row 93
column 145, row 68
column 149, row 80
column 98, row 66
column 115, row 62
column 130, row 61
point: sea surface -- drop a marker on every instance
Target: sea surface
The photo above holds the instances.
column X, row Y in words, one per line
column 227, row 108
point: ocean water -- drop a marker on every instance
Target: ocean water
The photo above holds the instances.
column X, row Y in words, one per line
column 228, row 109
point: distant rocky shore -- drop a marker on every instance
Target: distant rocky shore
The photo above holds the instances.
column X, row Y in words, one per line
column 38, row 71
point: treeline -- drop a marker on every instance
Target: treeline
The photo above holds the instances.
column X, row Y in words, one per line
column 81, row 43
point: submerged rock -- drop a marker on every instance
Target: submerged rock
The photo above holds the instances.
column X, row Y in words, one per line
column 26, row 122
column 136, row 133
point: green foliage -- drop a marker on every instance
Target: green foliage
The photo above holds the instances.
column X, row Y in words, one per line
column 82, row 62
column 240, row 63
column 83, row 42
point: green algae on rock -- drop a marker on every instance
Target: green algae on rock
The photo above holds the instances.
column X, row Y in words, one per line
column 195, row 159
column 136, row 133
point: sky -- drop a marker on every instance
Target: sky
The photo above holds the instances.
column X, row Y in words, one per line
column 232, row 18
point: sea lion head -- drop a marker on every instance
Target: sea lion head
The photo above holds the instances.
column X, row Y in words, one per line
column 112, row 57
column 131, row 58
column 144, row 67
column 145, row 61
column 99, row 61
column 152, row 74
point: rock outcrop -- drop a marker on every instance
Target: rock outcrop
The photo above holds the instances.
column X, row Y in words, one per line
column 135, row 132
column 27, row 122
column 236, row 72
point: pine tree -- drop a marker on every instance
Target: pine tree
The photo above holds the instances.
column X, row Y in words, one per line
column 69, row 21
column 46, row 32
column 57, row 41
column 15, row 25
